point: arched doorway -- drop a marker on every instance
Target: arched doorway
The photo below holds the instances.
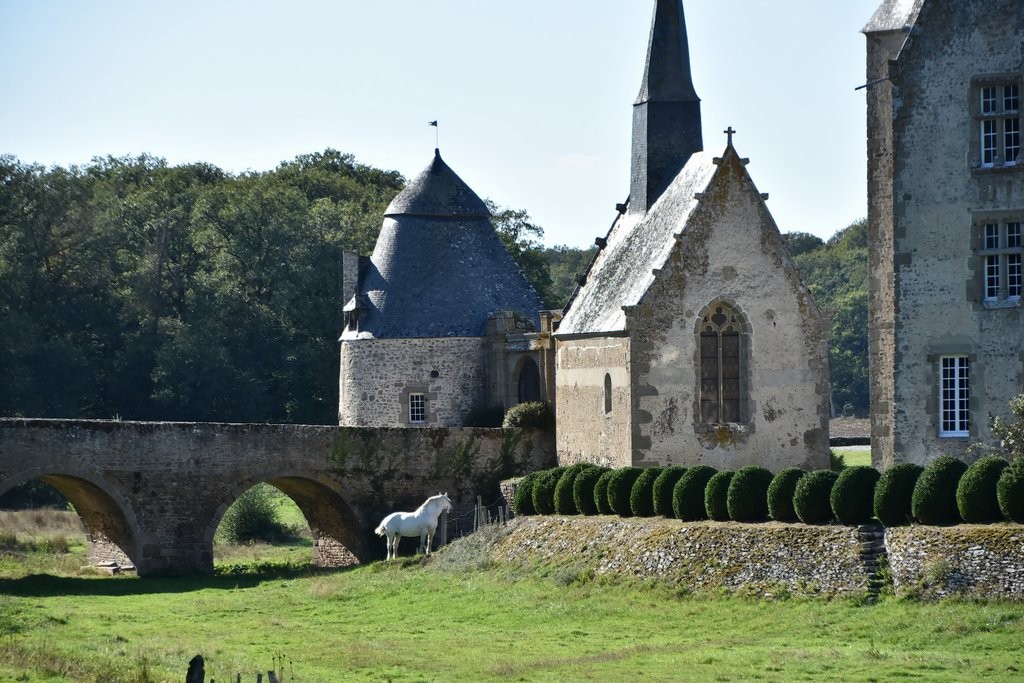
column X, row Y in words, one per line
column 528, row 382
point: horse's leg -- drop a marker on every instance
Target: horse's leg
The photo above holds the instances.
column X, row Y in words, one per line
column 392, row 546
column 430, row 540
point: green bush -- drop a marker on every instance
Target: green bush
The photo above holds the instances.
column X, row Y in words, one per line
column 934, row 499
column 716, row 496
column 747, row 497
column 688, row 493
column 853, row 495
column 252, row 517
column 976, row 497
column 522, row 500
column 780, row 494
column 583, row 489
column 1010, row 491
column 529, row 415
column 619, row 488
column 601, row 493
column 811, row 497
column 641, row 496
column 565, row 504
column 663, row 486
column 893, row 493
column 544, row 490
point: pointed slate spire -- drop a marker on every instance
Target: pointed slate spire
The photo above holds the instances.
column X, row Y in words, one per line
column 666, row 114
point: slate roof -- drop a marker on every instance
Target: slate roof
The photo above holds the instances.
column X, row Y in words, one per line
column 438, row 268
column 894, row 15
column 636, row 245
column 667, row 70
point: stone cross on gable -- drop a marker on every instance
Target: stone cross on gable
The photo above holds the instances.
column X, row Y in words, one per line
column 729, row 131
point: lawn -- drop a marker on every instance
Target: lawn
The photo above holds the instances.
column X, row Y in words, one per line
column 461, row 618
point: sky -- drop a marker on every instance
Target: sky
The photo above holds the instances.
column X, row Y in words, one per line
column 533, row 98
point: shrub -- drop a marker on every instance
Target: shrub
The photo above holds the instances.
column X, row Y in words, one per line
column 853, row 495
column 780, row 494
column 529, row 415
column 716, row 495
column 565, row 504
column 583, row 489
column 601, row 493
column 836, row 461
column 641, row 496
column 934, row 498
column 252, row 517
column 976, row 497
column 688, row 493
column 1010, row 491
column 893, row 493
column 544, row 490
column 747, row 497
column 811, row 497
column 663, row 486
column 619, row 487
column 522, row 501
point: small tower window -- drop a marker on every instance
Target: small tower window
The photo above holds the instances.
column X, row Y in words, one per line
column 417, row 408
column 607, row 393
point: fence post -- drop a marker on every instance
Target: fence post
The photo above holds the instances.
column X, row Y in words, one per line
column 442, row 530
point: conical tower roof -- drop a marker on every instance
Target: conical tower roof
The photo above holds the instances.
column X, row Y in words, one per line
column 438, row 191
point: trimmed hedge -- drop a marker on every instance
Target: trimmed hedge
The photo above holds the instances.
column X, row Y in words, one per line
column 620, row 486
column 716, row 496
column 811, row 497
column 780, row 494
column 853, row 495
column 583, row 489
column 1010, row 491
column 663, row 486
column 894, row 492
column 544, row 490
column 522, row 501
column 641, row 496
column 976, row 493
column 601, row 493
column 565, row 504
column 747, row 496
column 934, row 499
column 688, row 493
column 529, row 415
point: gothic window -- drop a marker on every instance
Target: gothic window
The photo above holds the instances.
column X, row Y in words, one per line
column 996, row 105
column 720, row 364
column 607, row 393
column 417, row 408
column 954, row 396
column 1000, row 251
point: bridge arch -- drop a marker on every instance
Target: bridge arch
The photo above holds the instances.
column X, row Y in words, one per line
column 338, row 533
column 112, row 532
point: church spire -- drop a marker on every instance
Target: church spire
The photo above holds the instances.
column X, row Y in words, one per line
column 666, row 114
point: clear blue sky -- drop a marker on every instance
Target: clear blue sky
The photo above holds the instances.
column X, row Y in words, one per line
column 534, row 97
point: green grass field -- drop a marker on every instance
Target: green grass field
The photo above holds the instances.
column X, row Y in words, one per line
column 461, row 618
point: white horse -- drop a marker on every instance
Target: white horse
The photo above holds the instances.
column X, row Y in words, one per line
column 422, row 523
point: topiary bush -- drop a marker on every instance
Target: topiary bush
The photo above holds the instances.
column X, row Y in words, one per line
column 747, row 497
column 544, row 490
column 529, row 415
column 1010, row 491
column 565, row 504
column 583, row 489
column 688, row 493
column 663, row 487
column 522, row 500
column 934, row 498
column 601, row 493
column 853, row 495
column 619, row 488
column 976, row 497
column 811, row 497
column 716, row 496
column 641, row 496
column 780, row 494
column 893, row 493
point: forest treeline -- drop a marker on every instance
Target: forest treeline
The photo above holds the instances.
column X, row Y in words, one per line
column 137, row 290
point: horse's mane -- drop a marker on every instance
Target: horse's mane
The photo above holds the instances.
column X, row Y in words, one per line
column 428, row 501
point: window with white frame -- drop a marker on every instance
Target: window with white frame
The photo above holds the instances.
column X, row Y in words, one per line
column 954, row 396
column 998, row 116
column 1000, row 251
column 417, row 408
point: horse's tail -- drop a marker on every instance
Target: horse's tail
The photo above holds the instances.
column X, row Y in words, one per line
column 381, row 530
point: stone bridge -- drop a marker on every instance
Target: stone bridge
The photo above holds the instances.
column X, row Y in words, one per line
column 153, row 493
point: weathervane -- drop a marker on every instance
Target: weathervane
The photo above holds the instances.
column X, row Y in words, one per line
column 434, row 124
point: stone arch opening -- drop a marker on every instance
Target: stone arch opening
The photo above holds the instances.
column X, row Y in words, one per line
column 336, row 531
column 109, row 531
column 527, row 380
